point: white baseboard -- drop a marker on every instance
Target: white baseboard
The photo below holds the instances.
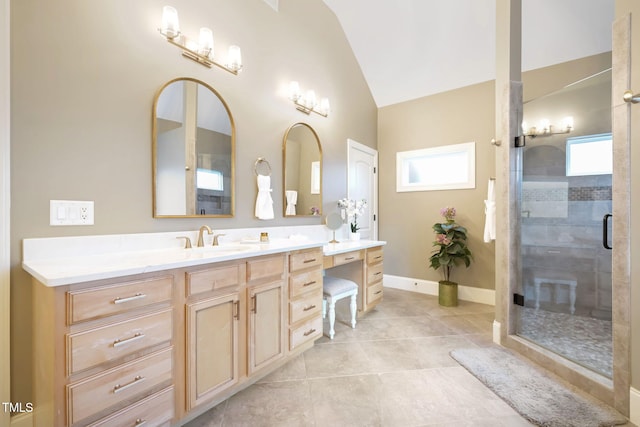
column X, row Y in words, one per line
column 496, row 332
column 465, row 293
column 634, row 406
column 22, row 420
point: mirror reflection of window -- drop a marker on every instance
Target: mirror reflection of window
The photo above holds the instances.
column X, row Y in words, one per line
column 194, row 151
column 302, row 159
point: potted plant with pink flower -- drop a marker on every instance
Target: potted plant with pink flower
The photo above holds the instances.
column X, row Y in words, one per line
column 450, row 251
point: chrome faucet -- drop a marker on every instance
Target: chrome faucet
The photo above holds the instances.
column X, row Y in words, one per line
column 200, row 233
column 215, row 239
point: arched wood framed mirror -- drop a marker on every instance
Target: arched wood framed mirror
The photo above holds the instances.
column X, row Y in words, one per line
column 302, row 160
column 193, row 152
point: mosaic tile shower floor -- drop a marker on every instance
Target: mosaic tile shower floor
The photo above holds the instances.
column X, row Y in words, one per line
column 584, row 340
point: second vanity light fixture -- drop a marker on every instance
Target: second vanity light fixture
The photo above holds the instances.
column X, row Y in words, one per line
column 546, row 129
column 308, row 103
column 202, row 51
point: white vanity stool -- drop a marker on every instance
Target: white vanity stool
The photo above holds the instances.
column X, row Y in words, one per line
column 571, row 283
column 334, row 289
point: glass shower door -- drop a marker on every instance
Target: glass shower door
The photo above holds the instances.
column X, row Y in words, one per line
column 566, row 202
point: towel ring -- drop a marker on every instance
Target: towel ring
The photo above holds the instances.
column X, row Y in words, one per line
column 262, row 167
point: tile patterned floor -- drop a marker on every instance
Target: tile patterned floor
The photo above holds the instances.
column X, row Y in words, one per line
column 393, row 370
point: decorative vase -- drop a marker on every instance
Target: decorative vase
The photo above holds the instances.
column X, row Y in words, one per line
column 447, row 293
column 354, row 236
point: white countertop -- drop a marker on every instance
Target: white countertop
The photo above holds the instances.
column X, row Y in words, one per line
column 350, row 245
column 69, row 260
column 66, row 271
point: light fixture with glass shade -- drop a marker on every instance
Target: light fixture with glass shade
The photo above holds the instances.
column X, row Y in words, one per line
column 308, row 103
column 201, row 51
column 545, row 128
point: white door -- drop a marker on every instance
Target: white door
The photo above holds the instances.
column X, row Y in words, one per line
column 362, row 183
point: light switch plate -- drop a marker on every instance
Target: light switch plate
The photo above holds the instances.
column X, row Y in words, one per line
column 70, row 212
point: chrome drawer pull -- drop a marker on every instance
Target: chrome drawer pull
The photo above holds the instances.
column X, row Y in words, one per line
column 118, row 388
column 119, row 300
column 306, row 334
column 378, row 273
column 378, row 257
column 140, row 422
column 311, row 307
column 309, row 283
column 307, row 261
column 349, row 258
column 136, row 337
column 376, row 293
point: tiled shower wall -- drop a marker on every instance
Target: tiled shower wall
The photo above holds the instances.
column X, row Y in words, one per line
column 562, row 230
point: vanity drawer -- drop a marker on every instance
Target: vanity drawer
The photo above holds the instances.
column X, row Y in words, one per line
column 374, row 273
column 348, row 257
column 108, row 300
column 155, row 410
column 213, row 279
column 308, row 331
column 305, row 282
column 374, row 292
column 264, row 267
column 309, row 305
column 95, row 346
column 375, row 255
column 306, row 259
column 117, row 385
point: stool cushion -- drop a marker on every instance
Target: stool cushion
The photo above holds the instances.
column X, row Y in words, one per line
column 337, row 285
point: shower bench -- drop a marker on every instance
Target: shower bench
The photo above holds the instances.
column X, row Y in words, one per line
column 571, row 283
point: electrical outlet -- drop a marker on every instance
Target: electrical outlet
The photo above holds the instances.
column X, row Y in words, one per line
column 70, row 212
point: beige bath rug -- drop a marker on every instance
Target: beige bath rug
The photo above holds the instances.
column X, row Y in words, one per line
column 533, row 392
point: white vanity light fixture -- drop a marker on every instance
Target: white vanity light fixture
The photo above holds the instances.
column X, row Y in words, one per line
column 201, row 51
column 544, row 128
column 308, row 103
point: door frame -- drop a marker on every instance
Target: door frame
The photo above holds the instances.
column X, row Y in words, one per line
column 353, row 145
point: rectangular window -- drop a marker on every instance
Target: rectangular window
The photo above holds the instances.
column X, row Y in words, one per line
column 448, row 167
column 207, row 179
column 590, row 155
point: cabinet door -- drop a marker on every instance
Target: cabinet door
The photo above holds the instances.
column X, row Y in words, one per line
column 266, row 324
column 212, row 347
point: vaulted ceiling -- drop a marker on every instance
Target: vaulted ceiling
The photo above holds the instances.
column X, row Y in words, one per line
column 409, row 49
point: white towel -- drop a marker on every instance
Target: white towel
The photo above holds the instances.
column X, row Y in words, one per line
column 292, row 199
column 490, row 213
column 264, row 202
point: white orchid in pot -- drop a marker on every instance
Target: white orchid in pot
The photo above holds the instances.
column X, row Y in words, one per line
column 350, row 210
column 450, row 250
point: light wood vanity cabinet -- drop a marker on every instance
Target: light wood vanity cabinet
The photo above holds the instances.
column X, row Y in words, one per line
column 374, row 273
column 305, row 297
column 101, row 347
column 364, row 267
column 213, row 326
column 160, row 348
column 266, row 293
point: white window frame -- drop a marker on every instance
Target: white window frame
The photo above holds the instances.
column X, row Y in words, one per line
column 587, row 139
column 439, row 180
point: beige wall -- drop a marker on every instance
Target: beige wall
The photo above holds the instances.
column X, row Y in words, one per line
column 458, row 116
column 462, row 115
column 84, row 75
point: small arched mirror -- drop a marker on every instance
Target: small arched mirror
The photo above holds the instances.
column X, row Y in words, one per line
column 193, row 152
column 302, row 160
